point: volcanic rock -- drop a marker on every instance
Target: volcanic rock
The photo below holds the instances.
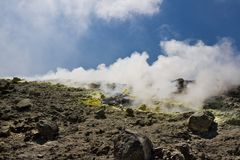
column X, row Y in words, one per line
column 129, row 112
column 19, row 126
column 145, row 121
column 158, row 153
column 67, row 108
column 16, row 80
column 176, row 155
column 120, row 99
column 200, row 121
column 103, row 150
column 4, row 130
column 214, row 103
column 4, row 85
column 24, row 105
column 132, row 146
column 75, row 118
column 31, row 135
column 186, row 151
column 100, row 114
column 47, row 130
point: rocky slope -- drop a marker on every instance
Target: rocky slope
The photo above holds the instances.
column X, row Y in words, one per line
column 45, row 121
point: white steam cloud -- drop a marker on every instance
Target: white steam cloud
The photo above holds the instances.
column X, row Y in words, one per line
column 36, row 35
column 214, row 68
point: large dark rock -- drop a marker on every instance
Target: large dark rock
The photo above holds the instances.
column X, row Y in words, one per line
column 47, row 130
column 132, row 146
column 201, row 121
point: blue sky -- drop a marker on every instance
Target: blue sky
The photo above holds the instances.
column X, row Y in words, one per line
column 37, row 40
column 205, row 20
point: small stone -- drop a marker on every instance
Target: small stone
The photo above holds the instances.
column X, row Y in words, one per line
column 5, row 115
column 24, row 105
column 103, row 150
column 20, row 127
column 5, row 131
column 4, row 85
column 158, row 153
column 31, row 135
column 200, row 121
column 99, row 131
column 16, row 80
column 185, row 150
column 40, row 156
column 140, row 122
column 129, row 112
column 73, row 118
column 177, row 155
column 145, row 122
column 48, row 130
column 143, row 107
column 100, row 114
column 4, row 147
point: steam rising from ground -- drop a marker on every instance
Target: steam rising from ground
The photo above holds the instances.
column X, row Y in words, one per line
column 214, row 68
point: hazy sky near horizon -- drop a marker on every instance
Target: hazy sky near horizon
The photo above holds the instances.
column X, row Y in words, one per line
column 37, row 36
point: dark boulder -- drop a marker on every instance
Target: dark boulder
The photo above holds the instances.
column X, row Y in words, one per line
column 47, row 130
column 132, row 146
column 201, row 121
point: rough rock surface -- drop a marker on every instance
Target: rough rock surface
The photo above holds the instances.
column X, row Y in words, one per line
column 80, row 135
column 24, row 105
column 47, row 130
column 132, row 146
column 100, row 114
column 201, row 121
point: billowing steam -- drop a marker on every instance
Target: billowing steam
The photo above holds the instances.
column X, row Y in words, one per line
column 214, row 69
column 34, row 32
